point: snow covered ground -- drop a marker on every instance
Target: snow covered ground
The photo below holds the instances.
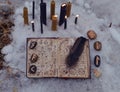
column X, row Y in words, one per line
column 94, row 14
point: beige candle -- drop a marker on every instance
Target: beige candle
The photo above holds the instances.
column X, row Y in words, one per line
column 52, row 9
column 54, row 22
column 25, row 15
column 68, row 9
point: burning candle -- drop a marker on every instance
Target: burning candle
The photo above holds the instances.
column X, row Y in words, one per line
column 33, row 28
column 54, row 22
column 62, row 14
column 76, row 19
column 43, row 12
column 52, row 9
column 33, row 14
column 25, row 15
column 68, row 10
column 65, row 23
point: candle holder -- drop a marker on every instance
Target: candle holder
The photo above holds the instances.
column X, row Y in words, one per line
column 62, row 14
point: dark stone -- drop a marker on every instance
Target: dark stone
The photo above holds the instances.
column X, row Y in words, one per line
column 98, row 45
column 97, row 61
column 33, row 44
column 91, row 34
column 34, row 58
column 33, row 69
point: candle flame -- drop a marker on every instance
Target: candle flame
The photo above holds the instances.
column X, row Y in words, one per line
column 65, row 17
column 32, row 21
column 77, row 15
column 63, row 5
column 55, row 16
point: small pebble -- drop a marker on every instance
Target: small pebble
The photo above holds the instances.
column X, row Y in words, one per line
column 97, row 61
column 91, row 34
column 97, row 73
column 98, row 45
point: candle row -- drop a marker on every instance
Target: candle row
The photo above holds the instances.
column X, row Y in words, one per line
column 65, row 12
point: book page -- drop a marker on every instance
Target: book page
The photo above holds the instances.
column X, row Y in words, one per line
column 52, row 53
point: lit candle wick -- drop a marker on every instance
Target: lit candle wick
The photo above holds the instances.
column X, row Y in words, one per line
column 77, row 15
column 65, row 17
column 65, row 24
column 32, row 21
column 33, row 28
column 76, row 19
column 55, row 15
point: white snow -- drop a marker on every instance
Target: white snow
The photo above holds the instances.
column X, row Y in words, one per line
column 94, row 14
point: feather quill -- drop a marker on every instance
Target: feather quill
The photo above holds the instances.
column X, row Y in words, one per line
column 75, row 51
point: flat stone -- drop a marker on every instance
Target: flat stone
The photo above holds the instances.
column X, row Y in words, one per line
column 97, row 73
column 98, row 45
column 91, row 34
column 33, row 44
column 34, row 58
column 97, row 61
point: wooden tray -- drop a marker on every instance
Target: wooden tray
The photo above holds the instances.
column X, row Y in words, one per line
column 52, row 53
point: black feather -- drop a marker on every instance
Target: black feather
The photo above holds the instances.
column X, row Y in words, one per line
column 76, row 51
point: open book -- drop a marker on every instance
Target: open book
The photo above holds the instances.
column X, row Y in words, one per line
column 50, row 59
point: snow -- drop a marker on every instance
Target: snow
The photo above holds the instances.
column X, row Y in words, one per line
column 94, row 14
